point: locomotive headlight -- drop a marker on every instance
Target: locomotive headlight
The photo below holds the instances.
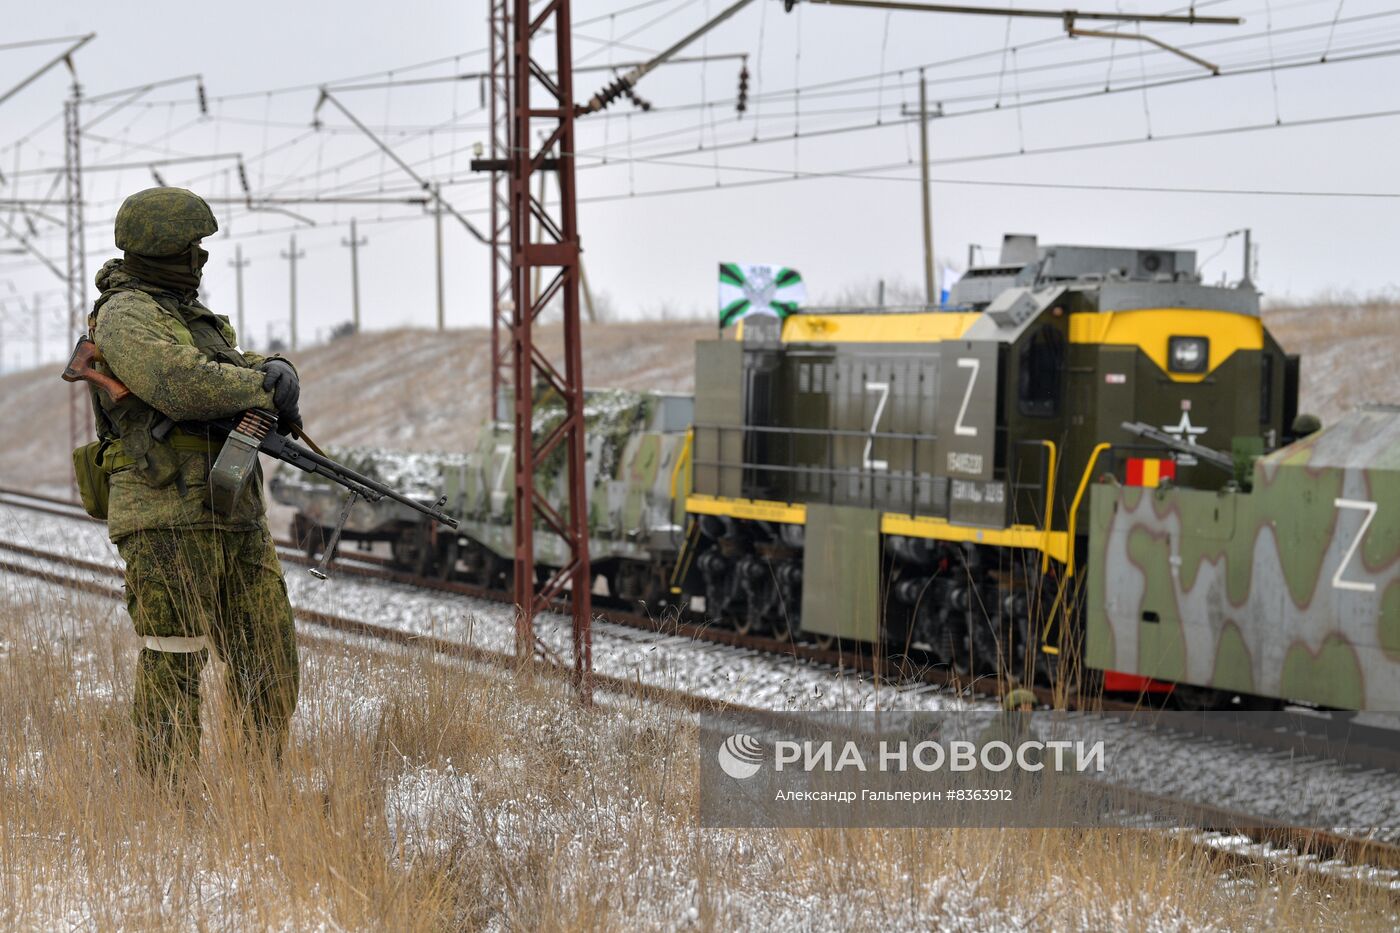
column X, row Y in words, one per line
column 1188, row 354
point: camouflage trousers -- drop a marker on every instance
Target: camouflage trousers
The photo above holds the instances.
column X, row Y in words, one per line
column 189, row 590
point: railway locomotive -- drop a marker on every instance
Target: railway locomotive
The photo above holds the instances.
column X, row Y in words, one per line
column 1061, row 474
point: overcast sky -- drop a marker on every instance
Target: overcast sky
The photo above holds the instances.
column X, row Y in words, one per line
column 646, row 253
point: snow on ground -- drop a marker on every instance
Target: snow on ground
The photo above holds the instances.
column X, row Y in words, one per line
column 718, row 672
column 1212, row 772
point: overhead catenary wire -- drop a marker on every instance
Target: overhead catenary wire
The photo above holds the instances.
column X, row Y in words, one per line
column 289, row 178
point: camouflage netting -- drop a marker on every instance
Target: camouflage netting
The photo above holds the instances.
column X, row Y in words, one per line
column 417, row 475
column 611, row 414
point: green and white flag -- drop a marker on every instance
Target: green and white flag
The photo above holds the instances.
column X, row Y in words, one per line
column 746, row 289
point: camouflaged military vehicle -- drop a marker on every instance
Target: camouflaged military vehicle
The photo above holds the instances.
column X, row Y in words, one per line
column 634, row 475
column 1287, row 587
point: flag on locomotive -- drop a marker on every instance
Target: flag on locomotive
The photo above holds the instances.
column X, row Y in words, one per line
column 746, row 289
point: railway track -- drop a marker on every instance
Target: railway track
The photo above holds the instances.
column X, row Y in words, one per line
column 1365, row 747
column 1217, row 835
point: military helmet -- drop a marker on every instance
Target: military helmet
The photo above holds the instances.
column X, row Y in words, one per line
column 1017, row 698
column 162, row 222
column 1306, row 424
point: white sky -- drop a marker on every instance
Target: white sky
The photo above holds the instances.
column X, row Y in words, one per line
column 653, row 254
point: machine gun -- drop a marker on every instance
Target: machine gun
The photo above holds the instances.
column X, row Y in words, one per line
column 246, row 436
column 1207, row 454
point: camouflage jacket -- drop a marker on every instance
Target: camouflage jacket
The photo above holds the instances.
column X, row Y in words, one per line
column 181, row 361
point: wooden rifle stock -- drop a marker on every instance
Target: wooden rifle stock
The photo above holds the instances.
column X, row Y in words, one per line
column 79, row 369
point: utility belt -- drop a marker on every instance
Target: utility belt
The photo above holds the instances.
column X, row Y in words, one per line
column 94, row 463
column 191, row 439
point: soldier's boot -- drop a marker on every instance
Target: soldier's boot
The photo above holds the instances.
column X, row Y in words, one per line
column 166, row 714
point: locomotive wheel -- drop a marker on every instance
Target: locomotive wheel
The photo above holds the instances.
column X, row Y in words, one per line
column 781, row 627
column 824, row 642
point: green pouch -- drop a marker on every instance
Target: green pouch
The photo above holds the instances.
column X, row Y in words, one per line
column 93, row 469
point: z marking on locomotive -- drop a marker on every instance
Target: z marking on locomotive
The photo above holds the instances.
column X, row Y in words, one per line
column 960, row 429
column 884, row 389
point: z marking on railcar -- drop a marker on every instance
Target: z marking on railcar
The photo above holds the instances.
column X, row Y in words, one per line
column 884, row 389
column 1357, row 585
column 498, row 492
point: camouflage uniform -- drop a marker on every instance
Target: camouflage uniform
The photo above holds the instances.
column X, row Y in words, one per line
column 193, row 578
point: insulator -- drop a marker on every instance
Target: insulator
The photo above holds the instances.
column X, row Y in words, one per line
column 742, row 104
column 203, row 102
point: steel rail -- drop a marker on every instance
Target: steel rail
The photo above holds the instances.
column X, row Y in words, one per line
column 1305, row 849
column 1369, row 747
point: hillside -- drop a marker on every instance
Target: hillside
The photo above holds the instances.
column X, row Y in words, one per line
column 1349, row 352
column 411, row 389
column 420, row 390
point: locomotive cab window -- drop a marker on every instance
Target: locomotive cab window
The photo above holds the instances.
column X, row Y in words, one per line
column 1042, row 373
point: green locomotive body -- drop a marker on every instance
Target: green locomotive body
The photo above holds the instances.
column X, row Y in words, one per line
column 919, row 478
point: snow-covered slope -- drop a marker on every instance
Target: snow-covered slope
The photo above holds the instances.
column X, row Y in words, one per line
column 410, row 389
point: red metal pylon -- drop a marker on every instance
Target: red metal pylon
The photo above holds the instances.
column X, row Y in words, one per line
column 542, row 100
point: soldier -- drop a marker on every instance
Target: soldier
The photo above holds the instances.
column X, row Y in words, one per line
column 195, row 580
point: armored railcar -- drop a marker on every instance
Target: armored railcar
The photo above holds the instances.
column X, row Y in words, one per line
column 634, row 476
column 920, row 477
column 1286, row 587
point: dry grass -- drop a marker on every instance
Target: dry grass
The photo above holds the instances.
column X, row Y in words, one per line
column 418, row 794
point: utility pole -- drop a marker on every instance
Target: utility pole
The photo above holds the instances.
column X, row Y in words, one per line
column 239, row 263
column 77, row 256
column 502, row 299
column 930, row 282
column 355, row 242
column 588, row 309
column 437, row 227
column 291, row 255
column 38, row 331
column 555, row 248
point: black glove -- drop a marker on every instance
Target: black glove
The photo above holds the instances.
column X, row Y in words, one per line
column 282, row 380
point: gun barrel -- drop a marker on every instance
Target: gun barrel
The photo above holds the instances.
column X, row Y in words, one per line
column 1209, row 454
column 292, row 452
